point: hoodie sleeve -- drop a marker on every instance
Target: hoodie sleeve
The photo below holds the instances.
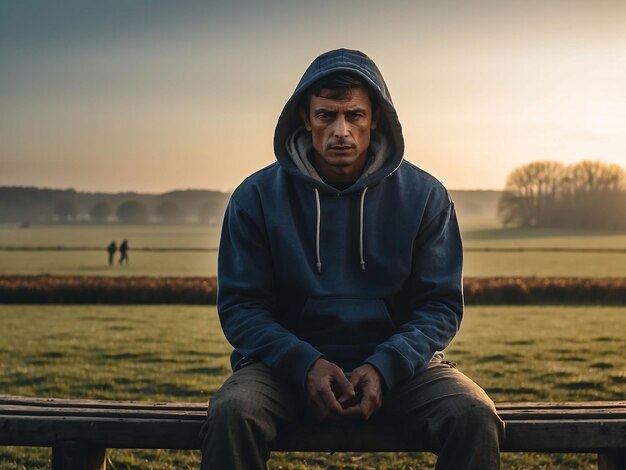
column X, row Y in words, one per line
column 246, row 299
column 436, row 302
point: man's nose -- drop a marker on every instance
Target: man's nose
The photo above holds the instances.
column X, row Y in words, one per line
column 340, row 128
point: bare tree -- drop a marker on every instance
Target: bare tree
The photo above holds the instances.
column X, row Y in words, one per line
column 596, row 195
column 588, row 194
column 530, row 194
column 595, row 176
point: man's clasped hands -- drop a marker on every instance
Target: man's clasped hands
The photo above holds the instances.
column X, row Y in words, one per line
column 333, row 396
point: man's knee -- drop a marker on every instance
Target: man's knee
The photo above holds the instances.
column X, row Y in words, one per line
column 472, row 414
column 237, row 430
column 468, row 434
column 234, row 407
column 477, row 411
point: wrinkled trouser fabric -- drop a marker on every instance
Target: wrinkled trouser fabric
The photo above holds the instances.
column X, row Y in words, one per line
column 439, row 407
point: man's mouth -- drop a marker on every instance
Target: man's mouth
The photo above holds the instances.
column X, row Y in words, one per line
column 341, row 147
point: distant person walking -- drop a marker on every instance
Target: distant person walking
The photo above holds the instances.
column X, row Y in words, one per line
column 124, row 252
column 111, row 249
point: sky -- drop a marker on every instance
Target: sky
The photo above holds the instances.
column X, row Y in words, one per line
column 152, row 95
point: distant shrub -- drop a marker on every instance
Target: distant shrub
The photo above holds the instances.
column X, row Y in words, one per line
column 211, row 212
column 65, row 210
column 170, row 212
column 203, row 290
column 46, row 289
column 550, row 290
column 100, row 212
column 132, row 212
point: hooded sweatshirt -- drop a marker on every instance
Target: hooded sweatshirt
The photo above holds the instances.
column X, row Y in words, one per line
column 367, row 274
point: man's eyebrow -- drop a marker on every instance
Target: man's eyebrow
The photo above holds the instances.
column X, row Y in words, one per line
column 356, row 109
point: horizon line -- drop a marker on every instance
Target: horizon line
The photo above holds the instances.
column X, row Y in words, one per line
column 3, row 186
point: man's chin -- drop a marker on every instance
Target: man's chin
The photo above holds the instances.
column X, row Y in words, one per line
column 341, row 160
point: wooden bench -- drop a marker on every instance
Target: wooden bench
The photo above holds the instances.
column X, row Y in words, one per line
column 80, row 431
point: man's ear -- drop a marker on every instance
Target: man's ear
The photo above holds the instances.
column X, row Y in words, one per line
column 375, row 119
column 305, row 118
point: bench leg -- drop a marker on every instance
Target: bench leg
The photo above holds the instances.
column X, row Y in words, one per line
column 615, row 460
column 78, row 455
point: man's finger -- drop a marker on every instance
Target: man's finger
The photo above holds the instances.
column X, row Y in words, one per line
column 324, row 403
column 343, row 389
column 328, row 400
column 355, row 378
column 367, row 407
column 366, row 381
column 353, row 412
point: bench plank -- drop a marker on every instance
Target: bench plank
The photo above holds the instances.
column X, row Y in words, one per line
column 83, row 403
column 598, row 427
column 565, row 435
column 200, row 413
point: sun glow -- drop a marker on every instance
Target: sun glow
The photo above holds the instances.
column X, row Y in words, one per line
column 163, row 101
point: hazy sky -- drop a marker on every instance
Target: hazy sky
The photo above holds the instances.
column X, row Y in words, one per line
column 159, row 95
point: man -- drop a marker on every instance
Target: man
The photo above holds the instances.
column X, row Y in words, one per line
column 111, row 249
column 340, row 282
column 124, row 252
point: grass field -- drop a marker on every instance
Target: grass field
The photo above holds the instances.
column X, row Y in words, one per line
column 179, row 354
column 486, row 233
column 95, row 262
column 477, row 234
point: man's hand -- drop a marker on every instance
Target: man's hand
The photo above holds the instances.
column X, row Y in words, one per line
column 327, row 389
column 366, row 381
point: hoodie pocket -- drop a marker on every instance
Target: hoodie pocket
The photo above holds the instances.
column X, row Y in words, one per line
column 344, row 321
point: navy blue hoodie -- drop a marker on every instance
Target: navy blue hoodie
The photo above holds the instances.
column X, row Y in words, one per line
column 368, row 274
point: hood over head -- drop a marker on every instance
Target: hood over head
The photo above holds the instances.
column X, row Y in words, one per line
column 387, row 143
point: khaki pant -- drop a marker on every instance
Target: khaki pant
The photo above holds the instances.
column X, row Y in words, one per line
column 439, row 407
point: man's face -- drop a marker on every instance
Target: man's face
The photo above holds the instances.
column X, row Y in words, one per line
column 340, row 130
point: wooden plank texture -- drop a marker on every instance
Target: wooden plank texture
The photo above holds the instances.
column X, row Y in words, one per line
column 553, row 436
column 550, row 427
column 100, row 404
column 82, row 403
column 200, row 413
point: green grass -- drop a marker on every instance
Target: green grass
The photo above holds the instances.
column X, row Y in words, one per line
column 180, row 354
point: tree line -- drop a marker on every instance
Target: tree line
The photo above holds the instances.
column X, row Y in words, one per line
column 587, row 194
column 27, row 205
column 137, row 212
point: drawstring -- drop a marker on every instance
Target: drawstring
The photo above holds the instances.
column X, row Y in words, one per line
column 361, row 229
column 317, row 234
